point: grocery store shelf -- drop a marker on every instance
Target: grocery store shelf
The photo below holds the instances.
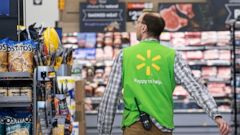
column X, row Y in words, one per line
column 196, row 111
column 189, row 48
column 223, row 100
column 18, row 104
column 218, row 47
column 95, row 62
column 210, row 62
column 218, row 62
column 191, row 100
column 197, row 62
column 94, row 112
column 196, row 48
column 186, row 123
column 219, row 80
column 15, row 76
column 95, row 100
column 91, row 112
column 237, row 47
column 15, row 101
column 8, row 17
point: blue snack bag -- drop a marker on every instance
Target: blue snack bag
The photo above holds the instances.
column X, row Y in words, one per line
column 19, row 123
column 2, row 124
column 3, row 55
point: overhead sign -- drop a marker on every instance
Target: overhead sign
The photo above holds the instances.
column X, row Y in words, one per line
column 135, row 9
column 233, row 10
column 4, row 8
column 102, row 17
column 208, row 16
column 102, row 1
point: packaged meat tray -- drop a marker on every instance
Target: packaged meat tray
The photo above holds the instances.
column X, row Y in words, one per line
column 194, row 55
column 211, row 54
column 99, row 54
column 217, row 89
column 196, row 73
column 209, row 38
column 225, row 55
column 179, row 42
column 224, row 72
column 180, row 91
column 194, row 41
column 209, row 72
column 223, row 38
column 193, row 34
column 237, row 34
column 100, row 37
column 133, row 38
column 108, row 52
column 178, row 35
column 165, row 36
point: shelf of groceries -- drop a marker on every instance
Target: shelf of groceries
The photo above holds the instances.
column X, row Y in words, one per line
column 26, row 102
column 209, row 55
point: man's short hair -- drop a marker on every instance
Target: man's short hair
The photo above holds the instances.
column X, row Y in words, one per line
column 155, row 23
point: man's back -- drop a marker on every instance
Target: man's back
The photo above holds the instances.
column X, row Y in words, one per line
column 148, row 76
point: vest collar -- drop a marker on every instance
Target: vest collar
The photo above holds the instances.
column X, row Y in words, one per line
column 150, row 39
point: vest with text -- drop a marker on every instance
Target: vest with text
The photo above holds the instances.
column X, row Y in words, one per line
column 148, row 76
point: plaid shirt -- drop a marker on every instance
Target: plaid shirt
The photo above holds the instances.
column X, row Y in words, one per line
column 183, row 76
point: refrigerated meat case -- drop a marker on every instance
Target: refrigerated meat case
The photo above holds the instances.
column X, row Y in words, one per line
column 234, row 27
column 189, row 118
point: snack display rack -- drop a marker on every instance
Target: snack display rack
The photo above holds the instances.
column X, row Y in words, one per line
column 17, row 79
column 43, row 109
column 57, row 110
column 11, row 79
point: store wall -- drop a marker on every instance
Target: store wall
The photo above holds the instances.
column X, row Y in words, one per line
column 69, row 18
column 47, row 13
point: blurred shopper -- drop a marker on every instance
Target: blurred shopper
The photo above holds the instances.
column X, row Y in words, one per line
column 148, row 72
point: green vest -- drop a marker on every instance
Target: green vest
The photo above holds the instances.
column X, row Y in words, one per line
column 148, row 75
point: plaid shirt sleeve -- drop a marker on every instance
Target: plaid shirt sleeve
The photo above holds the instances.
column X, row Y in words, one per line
column 108, row 105
column 184, row 76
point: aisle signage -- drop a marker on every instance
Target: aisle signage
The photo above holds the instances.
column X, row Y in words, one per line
column 135, row 9
column 102, row 17
column 4, row 8
column 102, row 1
column 233, row 10
column 208, row 16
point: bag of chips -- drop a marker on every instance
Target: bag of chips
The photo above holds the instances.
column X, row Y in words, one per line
column 20, row 58
column 2, row 124
column 3, row 55
column 19, row 123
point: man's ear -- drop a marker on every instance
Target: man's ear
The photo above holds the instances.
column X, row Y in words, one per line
column 144, row 28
